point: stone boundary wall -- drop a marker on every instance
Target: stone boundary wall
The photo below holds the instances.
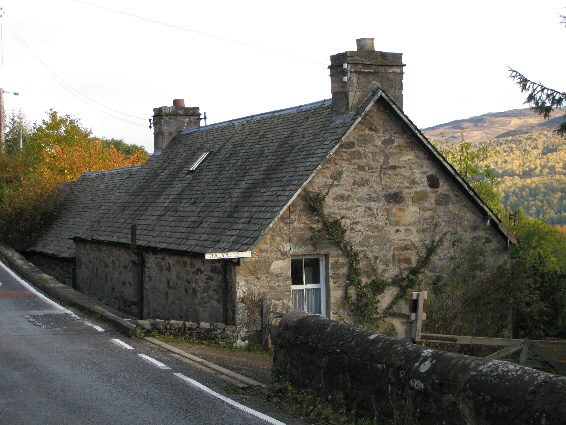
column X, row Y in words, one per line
column 210, row 332
column 405, row 383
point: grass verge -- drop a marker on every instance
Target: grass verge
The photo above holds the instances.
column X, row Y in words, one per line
column 252, row 347
column 310, row 407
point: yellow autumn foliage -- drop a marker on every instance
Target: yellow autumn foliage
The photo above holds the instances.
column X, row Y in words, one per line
column 60, row 152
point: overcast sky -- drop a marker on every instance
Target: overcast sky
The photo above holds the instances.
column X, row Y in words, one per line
column 110, row 62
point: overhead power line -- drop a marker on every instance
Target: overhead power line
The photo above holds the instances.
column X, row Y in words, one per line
column 251, row 46
column 78, row 94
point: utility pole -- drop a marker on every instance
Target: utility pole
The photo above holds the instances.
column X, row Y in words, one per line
column 2, row 123
column 21, row 117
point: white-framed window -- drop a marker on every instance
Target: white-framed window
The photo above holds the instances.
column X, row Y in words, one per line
column 308, row 283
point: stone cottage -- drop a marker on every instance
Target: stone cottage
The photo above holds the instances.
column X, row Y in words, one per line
column 218, row 217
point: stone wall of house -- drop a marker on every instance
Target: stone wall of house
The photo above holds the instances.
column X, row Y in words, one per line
column 176, row 286
column 185, row 287
column 104, row 272
column 391, row 197
column 60, row 268
column 399, row 382
column 267, row 273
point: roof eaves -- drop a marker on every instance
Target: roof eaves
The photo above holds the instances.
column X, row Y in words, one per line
column 112, row 170
column 139, row 245
column 59, row 255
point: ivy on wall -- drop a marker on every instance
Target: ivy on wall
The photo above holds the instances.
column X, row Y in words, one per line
column 364, row 287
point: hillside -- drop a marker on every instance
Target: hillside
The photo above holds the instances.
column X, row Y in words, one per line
column 530, row 161
column 495, row 125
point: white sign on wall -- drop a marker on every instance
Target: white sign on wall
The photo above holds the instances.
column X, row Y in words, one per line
column 222, row 255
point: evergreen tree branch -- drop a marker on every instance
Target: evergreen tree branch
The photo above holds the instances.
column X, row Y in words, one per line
column 541, row 98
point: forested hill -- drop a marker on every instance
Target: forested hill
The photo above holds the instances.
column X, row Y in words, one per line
column 495, row 125
column 530, row 161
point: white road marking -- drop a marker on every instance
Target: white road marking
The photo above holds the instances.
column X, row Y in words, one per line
column 155, row 362
column 246, row 409
column 122, row 344
column 98, row 328
column 36, row 292
column 190, row 381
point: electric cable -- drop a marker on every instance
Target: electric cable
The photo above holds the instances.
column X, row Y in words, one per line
column 78, row 94
column 251, row 46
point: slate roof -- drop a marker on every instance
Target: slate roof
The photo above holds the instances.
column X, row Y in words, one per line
column 255, row 167
column 82, row 200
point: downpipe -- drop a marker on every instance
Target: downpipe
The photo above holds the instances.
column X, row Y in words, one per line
column 137, row 271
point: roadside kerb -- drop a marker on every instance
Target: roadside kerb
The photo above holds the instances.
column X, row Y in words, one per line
column 233, row 377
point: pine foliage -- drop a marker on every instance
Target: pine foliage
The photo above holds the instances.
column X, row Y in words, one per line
column 541, row 98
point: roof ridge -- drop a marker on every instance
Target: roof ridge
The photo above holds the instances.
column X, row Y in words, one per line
column 261, row 115
column 112, row 170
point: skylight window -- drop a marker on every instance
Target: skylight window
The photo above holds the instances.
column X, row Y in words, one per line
column 199, row 160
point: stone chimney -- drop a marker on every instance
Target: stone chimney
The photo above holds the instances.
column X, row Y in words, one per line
column 353, row 76
column 170, row 120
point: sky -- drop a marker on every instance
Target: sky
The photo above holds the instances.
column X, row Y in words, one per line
column 110, row 62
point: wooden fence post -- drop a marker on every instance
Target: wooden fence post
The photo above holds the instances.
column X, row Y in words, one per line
column 418, row 314
column 524, row 352
column 265, row 323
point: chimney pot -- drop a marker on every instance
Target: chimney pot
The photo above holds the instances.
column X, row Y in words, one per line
column 179, row 102
column 365, row 44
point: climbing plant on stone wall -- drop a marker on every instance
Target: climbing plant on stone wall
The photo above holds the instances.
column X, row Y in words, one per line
column 364, row 287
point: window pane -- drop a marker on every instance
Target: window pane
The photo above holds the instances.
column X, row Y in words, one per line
column 298, row 299
column 313, row 300
column 297, row 271
column 312, row 270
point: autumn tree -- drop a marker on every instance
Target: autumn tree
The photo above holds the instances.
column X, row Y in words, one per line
column 473, row 165
column 124, row 148
column 532, row 282
column 58, row 150
column 540, row 270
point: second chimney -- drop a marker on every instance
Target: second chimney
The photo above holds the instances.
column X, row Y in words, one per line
column 170, row 120
column 353, row 76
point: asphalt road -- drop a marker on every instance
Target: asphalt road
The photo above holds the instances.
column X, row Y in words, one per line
column 59, row 367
